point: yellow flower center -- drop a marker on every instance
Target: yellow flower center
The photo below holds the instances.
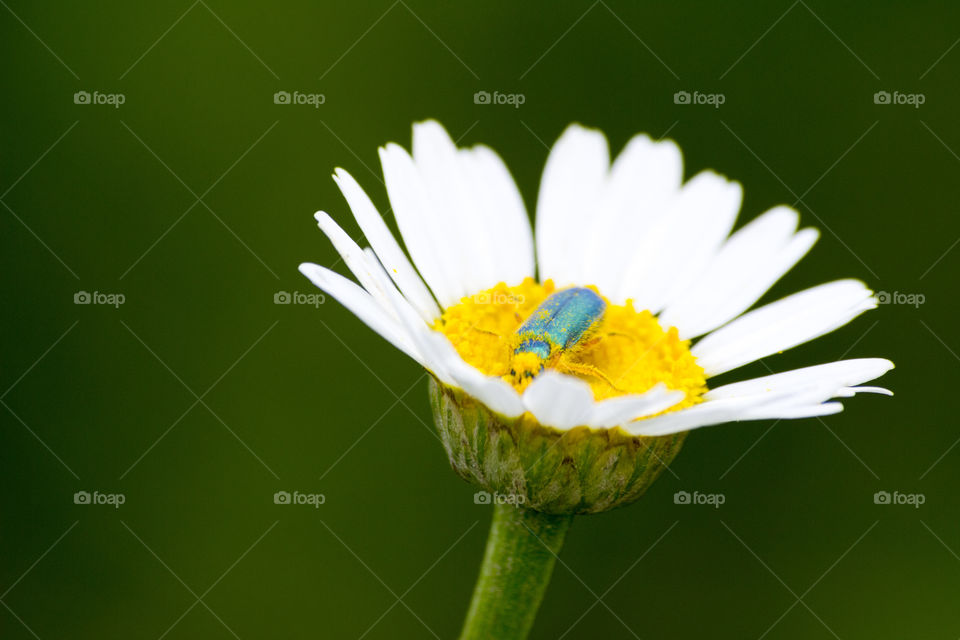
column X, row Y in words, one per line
column 626, row 352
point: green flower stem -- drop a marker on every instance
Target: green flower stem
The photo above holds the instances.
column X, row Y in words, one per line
column 521, row 551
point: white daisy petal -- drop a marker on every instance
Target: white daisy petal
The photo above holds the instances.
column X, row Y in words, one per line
column 442, row 359
column 745, row 268
column 410, row 323
column 643, row 179
column 460, row 214
column 676, row 250
column 386, row 246
column 727, row 410
column 800, row 393
column 362, row 305
column 463, row 222
column 805, row 411
column 493, row 392
column 558, row 400
column 837, row 375
column 508, row 238
column 352, row 255
column 481, row 205
column 425, row 232
column 573, row 178
column 783, row 324
column 878, row 390
column 701, row 415
column 620, row 410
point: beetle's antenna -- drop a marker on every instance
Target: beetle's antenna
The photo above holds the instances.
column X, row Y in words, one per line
column 488, row 332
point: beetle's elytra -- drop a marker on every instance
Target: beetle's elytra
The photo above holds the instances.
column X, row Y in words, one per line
column 558, row 325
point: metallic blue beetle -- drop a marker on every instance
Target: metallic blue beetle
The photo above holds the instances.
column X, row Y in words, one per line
column 555, row 330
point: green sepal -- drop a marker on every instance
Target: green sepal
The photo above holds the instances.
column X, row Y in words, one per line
column 578, row 471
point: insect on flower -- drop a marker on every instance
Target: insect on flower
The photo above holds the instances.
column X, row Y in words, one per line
column 558, row 328
column 633, row 291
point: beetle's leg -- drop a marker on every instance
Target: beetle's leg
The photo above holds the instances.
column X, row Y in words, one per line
column 585, row 343
column 566, row 366
column 594, row 338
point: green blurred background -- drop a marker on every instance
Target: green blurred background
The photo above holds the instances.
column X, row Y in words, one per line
column 199, row 398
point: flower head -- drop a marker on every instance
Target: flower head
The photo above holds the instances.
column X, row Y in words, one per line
column 614, row 315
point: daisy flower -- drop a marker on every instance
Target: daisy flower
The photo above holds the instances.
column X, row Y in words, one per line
column 568, row 363
column 673, row 281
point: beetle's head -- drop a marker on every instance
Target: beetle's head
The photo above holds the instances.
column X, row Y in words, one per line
column 524, row 367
